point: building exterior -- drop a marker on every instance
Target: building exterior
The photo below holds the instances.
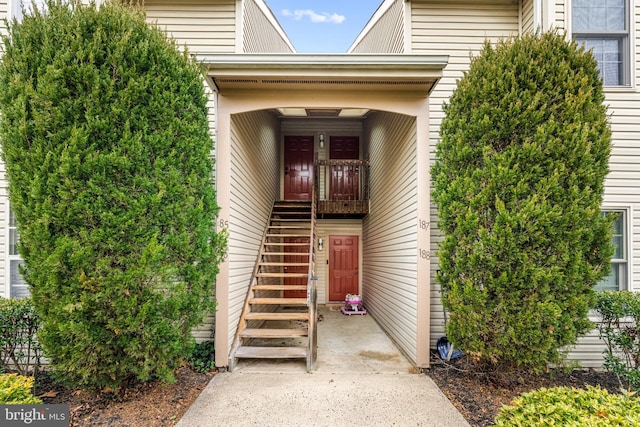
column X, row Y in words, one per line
column 372, row 114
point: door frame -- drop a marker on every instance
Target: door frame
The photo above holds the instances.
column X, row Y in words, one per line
column 329, row 237
column 353, row 191
column 288, row 139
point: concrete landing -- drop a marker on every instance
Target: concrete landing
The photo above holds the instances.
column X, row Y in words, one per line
column 362, row 379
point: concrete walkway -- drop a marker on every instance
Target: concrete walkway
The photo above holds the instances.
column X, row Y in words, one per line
column 362, row 379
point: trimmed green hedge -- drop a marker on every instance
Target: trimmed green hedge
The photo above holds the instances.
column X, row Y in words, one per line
column 518, row 182
column 106, row 142
column 16, row 390
column 570, row 407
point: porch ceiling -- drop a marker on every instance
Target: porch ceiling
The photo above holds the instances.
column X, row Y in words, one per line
column 396, row 72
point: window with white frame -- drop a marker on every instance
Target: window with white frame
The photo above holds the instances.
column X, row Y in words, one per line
column 617, row 278
column 603, row 27
column 18, row 288
column 16, row 7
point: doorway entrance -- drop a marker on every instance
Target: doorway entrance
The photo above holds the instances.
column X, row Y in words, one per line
column 298, row 167
column 343, row 267
column 345, row 182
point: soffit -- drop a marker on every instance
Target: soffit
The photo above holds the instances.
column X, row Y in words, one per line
column 324, row 71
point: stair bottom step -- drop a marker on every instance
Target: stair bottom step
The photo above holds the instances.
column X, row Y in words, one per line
column 245, row 352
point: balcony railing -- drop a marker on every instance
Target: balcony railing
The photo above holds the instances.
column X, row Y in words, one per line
column 342, row 188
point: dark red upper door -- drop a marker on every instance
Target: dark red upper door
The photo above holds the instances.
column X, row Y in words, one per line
column 298, row 167
column 345, row 182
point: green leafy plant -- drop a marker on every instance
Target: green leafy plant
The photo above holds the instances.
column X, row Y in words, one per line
column 518, row 181
column 16, row 390
column 619, row 328
column 565, row 406
column 19, row 347
column 106, row 143
column 202, row 357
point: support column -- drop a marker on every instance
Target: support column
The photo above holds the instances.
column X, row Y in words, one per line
column 223, row 185
column 424, row 237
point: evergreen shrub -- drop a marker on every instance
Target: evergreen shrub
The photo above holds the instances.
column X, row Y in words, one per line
column 106, row 142
column 518, row 181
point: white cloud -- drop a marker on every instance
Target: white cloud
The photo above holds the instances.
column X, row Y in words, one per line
column 299, row 14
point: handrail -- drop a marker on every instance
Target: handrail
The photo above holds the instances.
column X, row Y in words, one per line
column 312, row 295
column 342, row 186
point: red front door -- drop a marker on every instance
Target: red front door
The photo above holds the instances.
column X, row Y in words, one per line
column 343, row 267
column 298, row 167
column 345, row 184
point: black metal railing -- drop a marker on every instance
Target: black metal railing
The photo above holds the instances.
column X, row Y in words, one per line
column 342, row 187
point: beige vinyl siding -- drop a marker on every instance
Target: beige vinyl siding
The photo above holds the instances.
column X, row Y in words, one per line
column 4, row 216
column 4, row 10
column 254, row 187
column 526, row 17
column 259, row 32
column 458, row 29
column 204, row 26
column 387, row 35
column 315, row 127
column 390, row 267
column 4, row 231
column 204, row 331
column 636, row 44
column 211, row 118
column 622, row 186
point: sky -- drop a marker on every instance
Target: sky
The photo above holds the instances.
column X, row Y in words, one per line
column 323, row 26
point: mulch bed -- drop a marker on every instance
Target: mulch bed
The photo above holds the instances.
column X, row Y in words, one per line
column 144, row 405
column 479, row 396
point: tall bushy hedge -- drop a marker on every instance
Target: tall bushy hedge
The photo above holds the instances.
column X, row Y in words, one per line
column 107, row 149
column 518, row 181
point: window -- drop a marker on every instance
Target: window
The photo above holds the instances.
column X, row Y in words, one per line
column 603, row 27
column 18, row 288
column 617, row 278
column 15, row 7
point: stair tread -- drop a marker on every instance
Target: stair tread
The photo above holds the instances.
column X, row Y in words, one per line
column 280, row 301
column 285, row 264
column 274, row 333
column 277, row 316
column 271, row 352
column 286, row 253
column 287, row 235
column 306, row 213
column 279, row 287
column 285, row 244
column 291, row 275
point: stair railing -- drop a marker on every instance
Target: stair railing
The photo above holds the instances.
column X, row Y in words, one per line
column 312, row 294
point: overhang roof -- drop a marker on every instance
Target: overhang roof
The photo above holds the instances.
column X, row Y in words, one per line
column 397, row 72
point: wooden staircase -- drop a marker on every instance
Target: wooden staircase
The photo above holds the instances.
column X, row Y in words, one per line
column 278, row 320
